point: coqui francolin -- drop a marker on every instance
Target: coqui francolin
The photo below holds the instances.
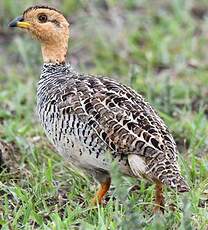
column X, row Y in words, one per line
column 87, row 117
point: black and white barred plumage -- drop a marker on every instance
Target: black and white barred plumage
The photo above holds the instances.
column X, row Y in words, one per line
column 86, row 117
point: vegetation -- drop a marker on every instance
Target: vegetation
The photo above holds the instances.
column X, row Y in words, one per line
column 157, row 47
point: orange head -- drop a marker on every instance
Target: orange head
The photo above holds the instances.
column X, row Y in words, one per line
column 50, row 27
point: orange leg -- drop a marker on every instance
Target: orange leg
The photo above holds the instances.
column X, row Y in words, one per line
column 159, row 198
column 104, row 187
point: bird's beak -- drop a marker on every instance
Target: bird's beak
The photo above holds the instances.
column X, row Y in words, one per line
column 19, row 22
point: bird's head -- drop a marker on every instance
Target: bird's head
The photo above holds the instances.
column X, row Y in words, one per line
column 50, row 27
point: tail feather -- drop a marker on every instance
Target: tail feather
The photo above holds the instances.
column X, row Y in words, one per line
column 177, row 182
column 169, row 175
column 165, row 171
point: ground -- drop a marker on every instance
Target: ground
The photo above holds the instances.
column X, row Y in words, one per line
column 157, row 47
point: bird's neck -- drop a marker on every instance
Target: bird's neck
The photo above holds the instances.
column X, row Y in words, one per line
column 54, row 52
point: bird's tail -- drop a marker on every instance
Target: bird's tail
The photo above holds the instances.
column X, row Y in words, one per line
column 169, row 175
column 177, row 182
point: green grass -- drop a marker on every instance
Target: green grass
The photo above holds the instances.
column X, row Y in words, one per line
column 156, row 47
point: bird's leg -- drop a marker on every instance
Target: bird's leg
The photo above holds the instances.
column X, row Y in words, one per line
column 104, row 187
column 159, row 198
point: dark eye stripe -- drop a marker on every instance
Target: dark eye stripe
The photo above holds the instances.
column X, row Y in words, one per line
column 55, row 22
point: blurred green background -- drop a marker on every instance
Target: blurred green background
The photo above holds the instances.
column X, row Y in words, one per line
column 159, row 48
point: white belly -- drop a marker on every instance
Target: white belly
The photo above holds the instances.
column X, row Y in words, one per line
column 71, row 146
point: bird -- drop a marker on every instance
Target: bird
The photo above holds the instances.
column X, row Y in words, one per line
column 91, row 117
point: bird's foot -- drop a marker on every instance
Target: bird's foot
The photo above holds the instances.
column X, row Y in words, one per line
column 158, row 209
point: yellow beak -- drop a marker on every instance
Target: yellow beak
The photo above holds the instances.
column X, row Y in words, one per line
column 19, row 22
column 23, row 24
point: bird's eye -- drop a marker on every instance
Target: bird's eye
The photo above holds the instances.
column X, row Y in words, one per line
column 42, row 18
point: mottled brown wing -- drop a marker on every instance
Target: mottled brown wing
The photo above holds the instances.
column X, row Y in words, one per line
column 121, row 117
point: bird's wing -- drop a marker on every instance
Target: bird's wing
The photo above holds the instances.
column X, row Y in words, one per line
column 120, row 117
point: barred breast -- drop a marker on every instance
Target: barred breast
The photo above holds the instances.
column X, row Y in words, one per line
column 70, row 133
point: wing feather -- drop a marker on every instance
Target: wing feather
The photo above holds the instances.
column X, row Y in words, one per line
column 120, row 117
